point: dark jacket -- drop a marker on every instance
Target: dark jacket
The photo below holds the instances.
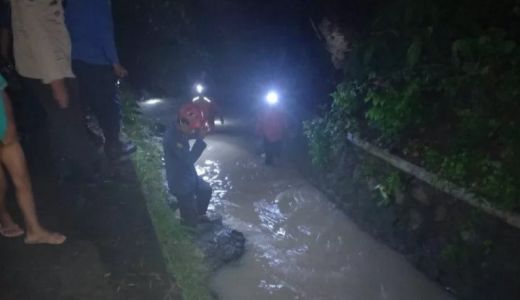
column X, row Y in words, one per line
column 180, row 161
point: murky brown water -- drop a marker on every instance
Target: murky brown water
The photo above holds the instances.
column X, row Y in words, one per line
column 299, row 245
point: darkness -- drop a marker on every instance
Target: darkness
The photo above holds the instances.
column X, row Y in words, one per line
column 429, row 88
column 239, row 48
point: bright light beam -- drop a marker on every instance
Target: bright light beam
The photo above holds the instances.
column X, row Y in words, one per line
column 200, row 88
column 151, row 102
column 272, row 98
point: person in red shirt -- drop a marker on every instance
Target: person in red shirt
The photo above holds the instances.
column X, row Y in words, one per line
column 208, row 107
column 272, row 127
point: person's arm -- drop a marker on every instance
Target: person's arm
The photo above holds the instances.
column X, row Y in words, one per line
column 218, row 112
column 179, row 151
column 196, row 151
column 60, row 92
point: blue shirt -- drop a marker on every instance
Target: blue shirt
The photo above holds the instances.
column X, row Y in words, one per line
column 5, row 15
column 91, row 31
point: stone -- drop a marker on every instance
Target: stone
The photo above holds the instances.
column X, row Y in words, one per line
column 399, row 197
column 371, row 183
column 219, row 244
column 440, row 214
column 158, row 129
column 468, row 235
column 420, row 195
column 416, row 220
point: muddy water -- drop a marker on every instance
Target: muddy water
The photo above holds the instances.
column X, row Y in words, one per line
column 299, row 245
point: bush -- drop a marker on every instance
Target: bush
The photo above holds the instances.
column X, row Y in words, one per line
column 442, row 77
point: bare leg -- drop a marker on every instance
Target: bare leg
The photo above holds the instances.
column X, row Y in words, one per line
column 14, row 160
column 8, row 227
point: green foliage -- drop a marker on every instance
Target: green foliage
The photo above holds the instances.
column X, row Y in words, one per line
column 437, row 75
column 387, row 189
column 184, row 261
column 453, row 253
column 319, row 141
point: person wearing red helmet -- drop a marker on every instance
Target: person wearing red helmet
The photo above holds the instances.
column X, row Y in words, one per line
column 192, row 192
column 208, row 106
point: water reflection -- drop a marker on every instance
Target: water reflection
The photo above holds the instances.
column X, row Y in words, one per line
column 210, row 171
column 299, row 246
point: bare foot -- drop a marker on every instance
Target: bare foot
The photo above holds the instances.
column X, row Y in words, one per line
column 11, row 231
column 8, row 228
column 45, row 237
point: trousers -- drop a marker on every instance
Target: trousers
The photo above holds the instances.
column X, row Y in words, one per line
column 195, row 204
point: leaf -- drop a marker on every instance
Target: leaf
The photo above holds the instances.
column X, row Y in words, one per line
column 484, row 40
column 509, row 46
column 414, row 53
column 460, row 48
column 369, row 53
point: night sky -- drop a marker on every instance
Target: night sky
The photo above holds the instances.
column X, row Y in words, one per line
column 243, row 47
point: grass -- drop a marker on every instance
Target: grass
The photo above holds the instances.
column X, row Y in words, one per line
column 183, row 259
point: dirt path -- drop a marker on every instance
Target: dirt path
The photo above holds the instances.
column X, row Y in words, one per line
column 111, row 252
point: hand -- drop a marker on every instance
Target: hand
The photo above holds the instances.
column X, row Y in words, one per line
column 120, row 71
column 59, row 92
column 203, row 132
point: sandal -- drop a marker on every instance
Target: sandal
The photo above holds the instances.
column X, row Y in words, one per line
column 49, row 238
column 11, row 232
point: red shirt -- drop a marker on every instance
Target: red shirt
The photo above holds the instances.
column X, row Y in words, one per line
column 208, row 107
column 272, row 124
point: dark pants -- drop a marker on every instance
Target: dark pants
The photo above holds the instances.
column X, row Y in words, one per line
column 272, row 149
column 67, row 138
column 98, row 88
column 29, row 113
column 195, row 204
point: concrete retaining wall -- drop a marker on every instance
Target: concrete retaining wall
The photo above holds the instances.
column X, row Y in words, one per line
column 473, row 254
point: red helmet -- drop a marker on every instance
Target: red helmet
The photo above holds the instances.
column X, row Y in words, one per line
column 192, row 114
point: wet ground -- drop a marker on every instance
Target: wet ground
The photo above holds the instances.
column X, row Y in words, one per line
column 299, row 246
column 111, row 251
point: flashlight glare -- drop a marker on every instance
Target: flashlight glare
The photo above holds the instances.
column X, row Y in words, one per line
column 152, row 101
column 272, row 97
column 199, row 88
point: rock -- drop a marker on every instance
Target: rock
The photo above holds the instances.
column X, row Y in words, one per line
column 416, row 220
column 158, row 129
column 419, row 194
column 219, row 243
column 468, row 236
column 440, row 214
column 399, row 197
column 371, row 183
column 172, row 202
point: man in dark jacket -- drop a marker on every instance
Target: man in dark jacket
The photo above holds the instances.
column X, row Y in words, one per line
column 193, row 194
